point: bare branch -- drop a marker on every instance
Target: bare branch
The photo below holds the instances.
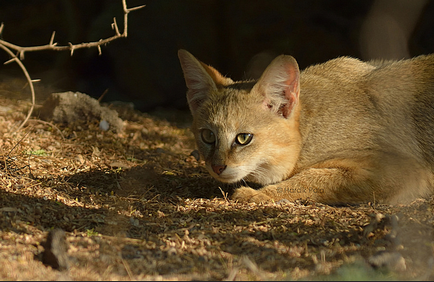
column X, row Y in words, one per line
column 53, row 46
column 29, row 80
column 72, row 47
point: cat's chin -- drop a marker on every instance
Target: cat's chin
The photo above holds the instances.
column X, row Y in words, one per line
column 229, row 175
column 227, row 179
column 236, row 174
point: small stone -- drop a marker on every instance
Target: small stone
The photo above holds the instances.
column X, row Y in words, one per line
column 160, row 151
column 390, row 260
column 104, row 125
column 55, row 250
column 196, row 155
column 135, row 222
column 79, row 109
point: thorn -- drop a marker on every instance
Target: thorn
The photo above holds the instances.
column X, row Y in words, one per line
column 71, row 46
column 135, row 8
column 102, row 95
column 22, row 55
column 9, row 61
column 115, row 26
column 1, row 28
column 25, row 85
column 99, row 49
column 52, row 38
column 36, row 80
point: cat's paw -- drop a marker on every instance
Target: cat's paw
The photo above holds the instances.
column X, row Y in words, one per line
column 249, row 195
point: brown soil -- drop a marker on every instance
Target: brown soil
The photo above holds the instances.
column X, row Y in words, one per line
column 137, row 205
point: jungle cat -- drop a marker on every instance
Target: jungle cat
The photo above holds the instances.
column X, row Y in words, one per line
column 340, row 132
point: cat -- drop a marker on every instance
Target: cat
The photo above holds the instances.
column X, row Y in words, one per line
column 341, row 132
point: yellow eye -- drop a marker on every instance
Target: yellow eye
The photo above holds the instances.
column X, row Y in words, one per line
column 244, row 138
column 207, row 136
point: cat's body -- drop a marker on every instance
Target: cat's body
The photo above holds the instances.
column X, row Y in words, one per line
column 340, row 132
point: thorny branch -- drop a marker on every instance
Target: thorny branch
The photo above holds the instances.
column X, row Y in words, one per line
column 29, row 80
column 53, row 46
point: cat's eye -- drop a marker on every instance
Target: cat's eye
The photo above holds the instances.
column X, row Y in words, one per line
column 243, row 138
column 207, row 136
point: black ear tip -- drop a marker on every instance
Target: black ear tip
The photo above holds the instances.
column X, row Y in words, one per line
column 182, row 53
column 286, row 59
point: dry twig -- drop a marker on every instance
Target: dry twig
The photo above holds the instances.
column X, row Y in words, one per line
column 29, row 80
column 53, row 46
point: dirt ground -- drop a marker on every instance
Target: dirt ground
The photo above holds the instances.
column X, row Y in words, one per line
column 137, row 205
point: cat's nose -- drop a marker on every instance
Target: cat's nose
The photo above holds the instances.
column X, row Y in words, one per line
column 218, row 169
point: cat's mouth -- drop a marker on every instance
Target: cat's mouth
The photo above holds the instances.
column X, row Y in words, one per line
column 229, row 175
column 261, row 174
column 226, row 178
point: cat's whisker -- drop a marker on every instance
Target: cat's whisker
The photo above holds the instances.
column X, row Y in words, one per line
column 259, row 173
column 243, row 181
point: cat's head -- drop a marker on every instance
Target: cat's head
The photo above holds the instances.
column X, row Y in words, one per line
column 245, row 130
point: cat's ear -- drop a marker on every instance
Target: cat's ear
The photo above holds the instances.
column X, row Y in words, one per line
column 280, row 85
column 200, row 79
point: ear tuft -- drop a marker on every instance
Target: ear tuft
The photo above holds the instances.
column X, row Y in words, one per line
column 280, row 85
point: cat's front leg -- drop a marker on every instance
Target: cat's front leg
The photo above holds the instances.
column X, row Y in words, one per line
column 348, row 183
column 270, row 193
column 249, row 195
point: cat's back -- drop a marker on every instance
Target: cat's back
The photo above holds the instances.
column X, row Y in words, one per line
column 343, row 69
column 405, row 91
column 337, row 115
column 379, row 105
column 380, row 89
column 336, row 88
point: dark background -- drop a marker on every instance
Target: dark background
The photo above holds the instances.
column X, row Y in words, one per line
column 238, row 37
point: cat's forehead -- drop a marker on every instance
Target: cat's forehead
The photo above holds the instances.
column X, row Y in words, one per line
column 231, row 101
column 232, row 107
column 228, row 96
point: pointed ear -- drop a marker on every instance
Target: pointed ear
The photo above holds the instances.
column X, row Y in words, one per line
column 280, row 85
column 200, row 79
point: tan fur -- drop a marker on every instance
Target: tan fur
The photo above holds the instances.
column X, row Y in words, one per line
column 340, row 132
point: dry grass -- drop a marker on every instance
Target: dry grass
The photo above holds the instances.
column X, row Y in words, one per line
column 136, row 205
